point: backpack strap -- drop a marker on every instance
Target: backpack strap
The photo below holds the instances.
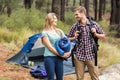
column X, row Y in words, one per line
column 95, row 45
column 91, row 34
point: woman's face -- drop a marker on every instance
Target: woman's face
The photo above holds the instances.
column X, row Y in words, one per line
column 54, row 21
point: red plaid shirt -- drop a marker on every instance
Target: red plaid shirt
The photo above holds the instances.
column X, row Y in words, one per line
column 84, row 49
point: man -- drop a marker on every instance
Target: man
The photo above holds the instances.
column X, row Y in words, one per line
column 84, row 52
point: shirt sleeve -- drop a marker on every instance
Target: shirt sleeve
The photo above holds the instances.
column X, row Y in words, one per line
column 99, row 28
column 72, row 31
column 44, row 34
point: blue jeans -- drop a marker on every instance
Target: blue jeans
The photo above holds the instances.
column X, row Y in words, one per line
column 54, row 65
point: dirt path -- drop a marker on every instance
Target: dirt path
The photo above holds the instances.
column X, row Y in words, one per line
column 15, row 72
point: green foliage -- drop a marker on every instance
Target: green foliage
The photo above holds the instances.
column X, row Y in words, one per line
column 69, row 18
column 21, row 18
column 19, row 38
column 63, row 26
column 104, row 25
column 22, row 24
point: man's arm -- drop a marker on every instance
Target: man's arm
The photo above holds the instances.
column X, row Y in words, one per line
column 100, row 36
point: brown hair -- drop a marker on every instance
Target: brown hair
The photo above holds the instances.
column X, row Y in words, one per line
column 81, row 9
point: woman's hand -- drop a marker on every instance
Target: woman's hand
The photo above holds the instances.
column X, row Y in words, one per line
column 66, row 55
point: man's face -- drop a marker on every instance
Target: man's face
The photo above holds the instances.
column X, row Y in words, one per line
column 78, row 15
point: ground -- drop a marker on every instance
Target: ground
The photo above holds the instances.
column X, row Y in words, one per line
column 16, row 72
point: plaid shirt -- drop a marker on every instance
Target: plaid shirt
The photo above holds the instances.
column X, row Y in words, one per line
column 84, row 49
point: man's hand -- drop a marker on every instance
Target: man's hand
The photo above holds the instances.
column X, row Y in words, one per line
column 76, row 34
column 93, row 30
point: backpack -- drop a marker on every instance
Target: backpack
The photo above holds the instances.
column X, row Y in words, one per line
column 96, row 45
column 39, row 72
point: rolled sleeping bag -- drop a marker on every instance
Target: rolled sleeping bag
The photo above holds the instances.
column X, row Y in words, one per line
column 62, row 45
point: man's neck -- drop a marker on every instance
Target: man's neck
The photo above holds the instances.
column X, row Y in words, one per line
column 83, row 22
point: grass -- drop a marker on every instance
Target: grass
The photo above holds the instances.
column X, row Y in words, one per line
column 108, row 54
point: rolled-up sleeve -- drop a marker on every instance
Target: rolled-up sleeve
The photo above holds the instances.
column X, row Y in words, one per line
column 99, row 28
column 72, row 31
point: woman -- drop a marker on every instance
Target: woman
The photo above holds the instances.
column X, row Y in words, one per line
column 52, row 60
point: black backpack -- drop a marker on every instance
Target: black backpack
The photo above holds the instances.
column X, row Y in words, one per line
column 92, row 35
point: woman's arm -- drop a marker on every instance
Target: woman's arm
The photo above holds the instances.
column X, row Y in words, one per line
column 47, row 43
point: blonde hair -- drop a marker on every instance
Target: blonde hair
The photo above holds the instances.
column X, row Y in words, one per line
column 81, row 9
column 49, row 19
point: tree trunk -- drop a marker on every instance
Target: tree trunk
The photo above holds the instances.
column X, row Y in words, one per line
column 95, row 9
column 118, row 29
column 114, row 19
column 80, row 2
column 74, row 1
column 62, row 12
column 100, row 9
column 1, row 7
column 118, row 19
column 118, row 11
column 28, row 3
column 66, row 2
column 9, row 10
column 104, row 6
column 39, row 4
column 87, row 6
column 55, row 7
column 48, row 4
column 113, row 12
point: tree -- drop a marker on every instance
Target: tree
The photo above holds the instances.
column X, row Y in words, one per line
column 118, row 17
column 55, row 7
column 9, row 10
column 28, row 3
column 95, row 8
column 48, row 4
column 104, row 6
column 62, row 12
column 87, row 6
column 74, row 1
column 66, row 2
column 114, row 19
column 80, row 2
column 38, row 4
column 101, row 8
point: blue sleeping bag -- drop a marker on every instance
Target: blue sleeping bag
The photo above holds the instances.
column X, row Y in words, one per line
column 62, row 45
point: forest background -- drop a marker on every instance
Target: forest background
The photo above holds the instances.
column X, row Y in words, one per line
column 19, row 19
